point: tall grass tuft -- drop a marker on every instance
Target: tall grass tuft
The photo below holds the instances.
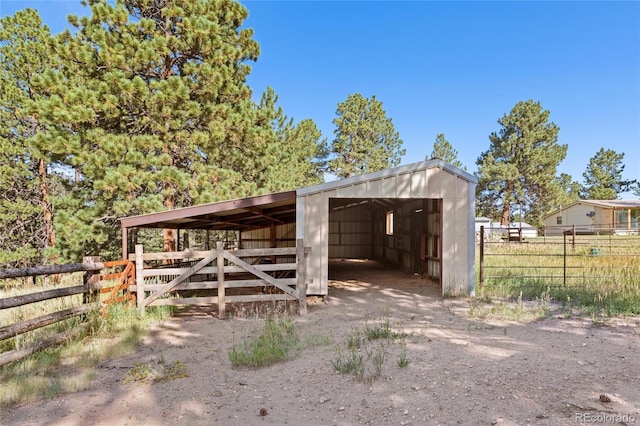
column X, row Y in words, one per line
column 276, row 343
column 366, row 349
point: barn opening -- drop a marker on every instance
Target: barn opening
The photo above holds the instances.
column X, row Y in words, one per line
column 401, row 234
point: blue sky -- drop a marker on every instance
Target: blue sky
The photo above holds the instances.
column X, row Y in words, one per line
column 449, row 67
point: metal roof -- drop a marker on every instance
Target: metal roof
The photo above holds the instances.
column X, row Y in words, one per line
column 422, row 165
column 264, row 210
column 242, row 214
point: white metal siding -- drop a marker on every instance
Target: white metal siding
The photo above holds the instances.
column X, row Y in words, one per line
column 350, row 233
column 430, row 179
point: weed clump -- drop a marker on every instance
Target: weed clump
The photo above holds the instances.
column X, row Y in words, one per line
column 276, row 343
column 364, row 359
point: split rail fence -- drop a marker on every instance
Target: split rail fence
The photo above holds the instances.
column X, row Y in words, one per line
column 98, row 290
column 149, row 279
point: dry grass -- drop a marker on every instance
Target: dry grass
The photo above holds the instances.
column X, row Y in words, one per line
column 598, row 275
column 71, row 366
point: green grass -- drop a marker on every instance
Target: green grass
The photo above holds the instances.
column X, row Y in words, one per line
column 365, row 350
column 515, row 311
column 146, row 373
column 276, row 342
column 70, row 367
column 607, row 284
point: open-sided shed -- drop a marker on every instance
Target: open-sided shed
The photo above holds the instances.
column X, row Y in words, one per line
column 418, row 218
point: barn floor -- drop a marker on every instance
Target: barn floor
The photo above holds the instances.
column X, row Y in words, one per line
column 366, row 273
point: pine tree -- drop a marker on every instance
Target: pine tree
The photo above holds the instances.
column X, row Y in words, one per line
column 297, row 153
column 520, row 166
column 26, row 212
column 603, row 176
column 443, row 150
column 569, row 190
column 366, row 140
column 153, row 111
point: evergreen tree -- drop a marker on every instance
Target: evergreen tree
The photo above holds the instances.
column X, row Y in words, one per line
column 569, row 190
column 366, row 140
column 443, row 150
column 603, row 177
column 520, row 166
column 153, row 111
column 26, row 212
column 296, row 157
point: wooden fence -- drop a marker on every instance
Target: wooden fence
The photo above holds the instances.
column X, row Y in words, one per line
column 220, row 276
column 96, row 295
column 206, row 277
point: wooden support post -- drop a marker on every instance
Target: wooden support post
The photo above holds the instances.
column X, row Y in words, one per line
column 125, row 243
column 140, row 278
column 91, row 281
column 221, row 290
column 301, row 285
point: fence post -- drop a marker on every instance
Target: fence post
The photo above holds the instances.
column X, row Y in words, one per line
column 573, row 241
column 222, row 308
column 301, row 285
column 481, row 283
column 564, row 258
column 91, row 281
column 140, row 278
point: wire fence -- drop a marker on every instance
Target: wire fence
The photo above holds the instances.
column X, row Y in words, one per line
column 534, row 260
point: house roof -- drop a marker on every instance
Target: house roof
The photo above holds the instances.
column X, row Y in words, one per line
column 264, row 210
column 607, row 204
column 482, row 219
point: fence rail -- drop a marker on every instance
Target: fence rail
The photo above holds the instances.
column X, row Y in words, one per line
column 214, row 277
column 220, row 276
column 94, row 285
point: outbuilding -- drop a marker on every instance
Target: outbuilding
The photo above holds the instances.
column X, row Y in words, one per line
column 418, row 218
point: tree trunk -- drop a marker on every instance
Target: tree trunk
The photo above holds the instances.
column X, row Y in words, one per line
column 506, row 210
column 46, row 206
column 49, row 230
column 169, row 236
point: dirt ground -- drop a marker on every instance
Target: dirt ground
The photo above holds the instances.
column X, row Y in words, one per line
column 462, row 370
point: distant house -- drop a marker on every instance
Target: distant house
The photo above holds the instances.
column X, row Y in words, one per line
column 595, row 216
column 482, row 221
column 495, row 229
